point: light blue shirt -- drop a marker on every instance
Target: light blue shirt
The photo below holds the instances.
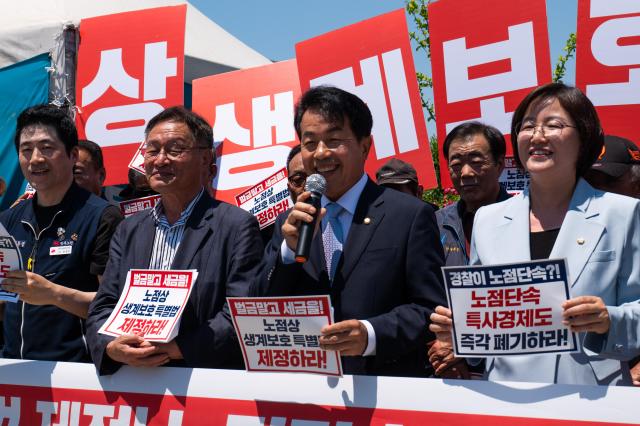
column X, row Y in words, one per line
column 348, row 202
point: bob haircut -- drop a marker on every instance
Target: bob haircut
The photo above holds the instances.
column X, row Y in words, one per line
column 581, row 111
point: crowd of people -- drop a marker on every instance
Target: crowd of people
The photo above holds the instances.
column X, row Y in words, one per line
column 377, row 250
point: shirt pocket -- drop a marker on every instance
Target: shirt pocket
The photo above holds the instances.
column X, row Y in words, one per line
column 602, row 256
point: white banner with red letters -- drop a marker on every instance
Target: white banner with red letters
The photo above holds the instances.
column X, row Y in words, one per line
column 282, row 333
column 10, row 260
column 130, row 67
column 608, row 62
column 374, row 60
column 70, row 394
column 129, row 207
column 486, row 56
column 251, row 112
column 509, row 309
column 267, row 199
column 151, row 304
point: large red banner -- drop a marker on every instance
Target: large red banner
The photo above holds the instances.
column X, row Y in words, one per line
column 486, row 56
column 130, row 67
column 251, row 112
column 69, row 394
column 608, row 62
column 374, row 60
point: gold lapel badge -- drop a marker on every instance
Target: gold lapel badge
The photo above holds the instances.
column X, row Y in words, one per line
column 580, row 241
column 367, row 220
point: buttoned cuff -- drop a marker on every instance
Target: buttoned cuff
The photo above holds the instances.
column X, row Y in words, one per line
column 370, row 350
column 286, row 254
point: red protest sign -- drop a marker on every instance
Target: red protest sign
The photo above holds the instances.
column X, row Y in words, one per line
column 608, row 63
column 379, row 70
column 486, row 56
column 126, row 77
column 251, row 112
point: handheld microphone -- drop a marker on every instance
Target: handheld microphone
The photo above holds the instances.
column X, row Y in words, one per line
column 316, row 184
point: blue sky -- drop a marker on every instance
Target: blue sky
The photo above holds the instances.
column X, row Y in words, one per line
column 274, row 27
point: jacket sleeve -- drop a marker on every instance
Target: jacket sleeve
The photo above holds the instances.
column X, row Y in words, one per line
column 104, row 303
column 400, row 330
column 622, row 342
column 214, row 343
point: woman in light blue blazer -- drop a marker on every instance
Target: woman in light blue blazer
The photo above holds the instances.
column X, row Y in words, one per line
column 556, row 137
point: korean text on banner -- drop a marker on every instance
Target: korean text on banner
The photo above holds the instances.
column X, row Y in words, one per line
column 608, row 63
column 124, row 78
column 251, row 112
column 509, row 309
column 379, row 70
column 10, row 260
column 486, row 56
column 151, row 304
column 129, row 207
column 267, row 199
column 281, row 334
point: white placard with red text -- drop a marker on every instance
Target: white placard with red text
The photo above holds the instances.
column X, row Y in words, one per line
column 10, row 260
column 281, row 334
column 124, row 78
column 137, row 162
column 486, row 56
column 151, row 304
column 509, row 309
column 129, row 207
column 374, row 60
column 267, row 199
column 608, row 63
column 251, row 112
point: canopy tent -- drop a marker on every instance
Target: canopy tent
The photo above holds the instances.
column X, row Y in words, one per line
column 31, row 27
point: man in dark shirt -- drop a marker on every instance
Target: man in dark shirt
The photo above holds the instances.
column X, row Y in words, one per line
column 475, row 153
column 63, row 233
column 89, row 172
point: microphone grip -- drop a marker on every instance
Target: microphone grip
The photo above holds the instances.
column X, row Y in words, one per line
column 305, row 230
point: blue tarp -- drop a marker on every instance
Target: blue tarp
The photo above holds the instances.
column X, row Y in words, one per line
column 21, row 85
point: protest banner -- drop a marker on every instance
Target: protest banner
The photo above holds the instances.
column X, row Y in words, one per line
column 485, row 64
column 267, row 199
column 509, row 309
column 10, row 260
column 281, row 334
column 380, row 71
column 137, row 161
column 608, row 63
column 129, row 207
column 72, row 394
column 151, row 304
column 251, row 112
column 126, row 77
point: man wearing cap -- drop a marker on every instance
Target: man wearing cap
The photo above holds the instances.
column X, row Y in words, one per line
column 401, row 176
column 617, row 168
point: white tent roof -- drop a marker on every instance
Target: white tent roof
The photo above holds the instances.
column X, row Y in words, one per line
column 29, row 27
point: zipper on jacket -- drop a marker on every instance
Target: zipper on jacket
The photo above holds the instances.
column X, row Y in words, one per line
column 31, row 264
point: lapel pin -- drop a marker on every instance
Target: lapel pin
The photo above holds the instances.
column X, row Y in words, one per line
column 580, row 241
column 367, row 220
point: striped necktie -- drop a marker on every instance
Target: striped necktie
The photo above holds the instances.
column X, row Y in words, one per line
column 332, row 238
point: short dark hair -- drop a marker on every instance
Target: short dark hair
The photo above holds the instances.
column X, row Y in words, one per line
column 466, row 130
column 200, row 129
column 49, row 115
column 94, row 150
column 581, row 111
column 294, row 151
column 334, row 105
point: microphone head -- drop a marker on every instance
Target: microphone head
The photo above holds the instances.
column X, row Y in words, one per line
column 316, row 183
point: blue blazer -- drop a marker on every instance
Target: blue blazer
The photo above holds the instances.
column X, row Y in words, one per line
column 223, row 243
column 389, row 274
column 600, row 240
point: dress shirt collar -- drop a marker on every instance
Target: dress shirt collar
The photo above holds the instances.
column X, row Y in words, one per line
column 161, row 220
column 349, row 199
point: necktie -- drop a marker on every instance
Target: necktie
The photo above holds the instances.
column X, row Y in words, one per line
column 332, row 238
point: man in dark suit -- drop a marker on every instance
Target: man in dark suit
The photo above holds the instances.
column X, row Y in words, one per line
column 186, row 230
column 383, row 273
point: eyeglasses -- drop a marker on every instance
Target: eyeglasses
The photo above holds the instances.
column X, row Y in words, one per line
column 172, row 152
column 298, row 179
column 550, row 129
column 331, row 144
